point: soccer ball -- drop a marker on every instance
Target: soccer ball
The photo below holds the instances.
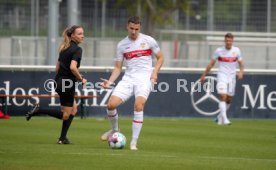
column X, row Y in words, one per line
column 116, row 140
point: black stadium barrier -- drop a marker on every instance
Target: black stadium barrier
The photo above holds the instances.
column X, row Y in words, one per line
column 175, row 95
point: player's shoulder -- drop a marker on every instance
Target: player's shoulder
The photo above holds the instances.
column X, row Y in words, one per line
column 236, row 48
column 146, row 37
column 77, row 49
column 74, row 47
column 123, row 41
column 222, row 48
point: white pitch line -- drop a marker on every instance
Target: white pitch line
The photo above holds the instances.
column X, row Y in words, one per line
column 152, row 154
column 237, row 158
column 115, row 154
column 92, row 153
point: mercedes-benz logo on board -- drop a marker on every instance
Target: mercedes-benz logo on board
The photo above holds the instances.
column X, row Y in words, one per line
column 204, row 97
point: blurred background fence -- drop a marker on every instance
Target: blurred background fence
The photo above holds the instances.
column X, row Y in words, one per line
column 187, row 30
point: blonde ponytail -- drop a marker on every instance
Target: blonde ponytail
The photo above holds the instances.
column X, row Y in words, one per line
column 66, row 40
column 67, row 37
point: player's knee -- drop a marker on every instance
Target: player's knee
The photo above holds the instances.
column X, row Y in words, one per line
column 111, row 106
column 74, row 111
column 139, row 107
column 223, row 98
column 228, row 101
column 65, row 116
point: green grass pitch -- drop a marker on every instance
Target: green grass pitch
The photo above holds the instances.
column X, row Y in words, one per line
column 164, row 144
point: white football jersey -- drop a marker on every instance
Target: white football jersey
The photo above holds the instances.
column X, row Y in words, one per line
column 137, row 54
column 227, row 60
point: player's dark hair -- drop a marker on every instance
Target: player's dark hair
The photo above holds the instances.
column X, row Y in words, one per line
column 67, row 37
column 135, row 20
column 229, row 35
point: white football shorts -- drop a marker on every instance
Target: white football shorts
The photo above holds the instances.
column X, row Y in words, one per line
column 226, row 85
column 128, row 87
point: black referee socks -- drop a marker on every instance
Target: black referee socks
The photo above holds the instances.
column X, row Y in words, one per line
column 65, row 126
column 51, row 112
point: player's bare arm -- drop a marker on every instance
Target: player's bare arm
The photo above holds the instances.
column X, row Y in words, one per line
column 57, row 67
column 208, row 68
column 75, row 71
column 240, row 73
column 114, row 75
column 159, row 63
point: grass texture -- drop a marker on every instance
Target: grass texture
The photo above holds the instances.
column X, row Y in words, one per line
column 164, row 144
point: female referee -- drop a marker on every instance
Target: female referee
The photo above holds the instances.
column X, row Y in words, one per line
column 67, row 74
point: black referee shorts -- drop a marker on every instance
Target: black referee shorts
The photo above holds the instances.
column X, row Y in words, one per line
column 66, row 95
column 66, row 99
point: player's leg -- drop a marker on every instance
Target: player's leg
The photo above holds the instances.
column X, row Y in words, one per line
column 112, row 115
column 228, row 101
column 37, row 110
column 121, row 93
column 142, row 90
column 231, row 90
column 230, row 93
column 222, row 90
column 137, row 122
column 223, row 109
column 66, row 123
column 66, row 100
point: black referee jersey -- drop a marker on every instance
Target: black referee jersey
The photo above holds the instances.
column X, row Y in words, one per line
column 73, row 52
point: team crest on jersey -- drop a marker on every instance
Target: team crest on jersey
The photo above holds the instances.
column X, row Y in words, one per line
column 142, row 45
column 234, row 54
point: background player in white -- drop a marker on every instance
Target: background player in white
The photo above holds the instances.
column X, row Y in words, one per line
column 227, row 56
column 135, row 51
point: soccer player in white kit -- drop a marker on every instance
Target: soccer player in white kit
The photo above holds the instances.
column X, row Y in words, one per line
column 135, row 51
column 227, row 56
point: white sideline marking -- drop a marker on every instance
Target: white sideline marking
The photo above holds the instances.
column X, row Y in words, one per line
column 152, row 154
column 237, row 158
column 174, row 156
column 114, row 154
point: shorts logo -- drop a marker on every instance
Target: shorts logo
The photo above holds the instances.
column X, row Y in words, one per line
column 205, row 101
